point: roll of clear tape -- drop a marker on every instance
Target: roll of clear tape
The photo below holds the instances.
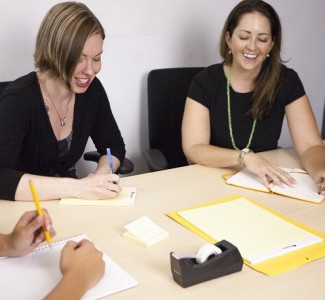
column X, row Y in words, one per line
column 205, row 252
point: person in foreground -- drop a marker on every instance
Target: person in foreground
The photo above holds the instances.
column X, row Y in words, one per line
column 76, row 258
column 47, row 116
column 236, row 108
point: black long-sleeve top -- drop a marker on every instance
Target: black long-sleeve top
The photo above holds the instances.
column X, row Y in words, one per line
column 27, row 140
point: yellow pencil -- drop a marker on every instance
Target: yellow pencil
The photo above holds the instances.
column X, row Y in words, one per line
column 39, row 210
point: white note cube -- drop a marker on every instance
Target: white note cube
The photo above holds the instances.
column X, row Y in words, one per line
column 145, row 232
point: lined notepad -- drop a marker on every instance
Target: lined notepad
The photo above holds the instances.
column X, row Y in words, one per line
column 145, row 232
column 125, row 198
column 36, row 274
column 242, row 227
column 258, row 234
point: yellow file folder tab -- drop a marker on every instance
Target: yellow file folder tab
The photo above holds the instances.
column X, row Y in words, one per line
column 145, row 232
column 269, row 242
column 125, row 198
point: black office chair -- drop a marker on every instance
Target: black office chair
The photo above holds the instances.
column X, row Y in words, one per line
column 3, row 84
column 126, row 166
column 167, row 91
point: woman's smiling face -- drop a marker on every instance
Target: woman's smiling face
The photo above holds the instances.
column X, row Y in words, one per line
column 251, row 41
column 89, row 64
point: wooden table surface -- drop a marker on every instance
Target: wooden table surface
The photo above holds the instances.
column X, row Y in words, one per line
column 172, row 190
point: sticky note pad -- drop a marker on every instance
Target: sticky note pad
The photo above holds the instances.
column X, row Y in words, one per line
column 145, row 232
column 125, row 198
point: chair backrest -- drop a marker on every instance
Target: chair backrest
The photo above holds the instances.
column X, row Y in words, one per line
column 3, row 84
column 167, row 91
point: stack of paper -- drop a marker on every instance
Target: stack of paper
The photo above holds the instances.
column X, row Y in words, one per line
column 268, row 241
column 258, row 234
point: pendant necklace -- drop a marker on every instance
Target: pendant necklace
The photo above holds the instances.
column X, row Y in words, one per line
column 229, row 116
column 62, row 120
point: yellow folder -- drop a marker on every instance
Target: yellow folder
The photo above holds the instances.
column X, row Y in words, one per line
column 259, row 233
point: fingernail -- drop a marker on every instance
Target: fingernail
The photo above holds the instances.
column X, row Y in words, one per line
column 38, row 240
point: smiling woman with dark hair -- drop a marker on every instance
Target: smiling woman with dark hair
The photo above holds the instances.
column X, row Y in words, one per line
column 236, row 108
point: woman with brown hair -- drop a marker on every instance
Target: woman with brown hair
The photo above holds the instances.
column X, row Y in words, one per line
column 47, row 116
column 236, row 108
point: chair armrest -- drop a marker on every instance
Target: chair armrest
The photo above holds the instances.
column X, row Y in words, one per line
column 92, row 156
column 126, row 166
column 155, row 159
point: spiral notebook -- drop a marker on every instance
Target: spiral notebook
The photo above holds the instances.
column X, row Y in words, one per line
column 33, row 276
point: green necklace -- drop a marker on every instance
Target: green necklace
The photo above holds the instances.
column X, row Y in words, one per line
column 229, row 116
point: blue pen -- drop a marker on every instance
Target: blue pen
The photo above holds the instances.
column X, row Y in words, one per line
column 110, row 160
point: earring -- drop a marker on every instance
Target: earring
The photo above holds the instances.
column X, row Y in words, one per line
column 268, row 55
column 229, row 52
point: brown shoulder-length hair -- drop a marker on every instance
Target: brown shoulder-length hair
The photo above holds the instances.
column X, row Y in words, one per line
column 61, row 38
column 269, row 77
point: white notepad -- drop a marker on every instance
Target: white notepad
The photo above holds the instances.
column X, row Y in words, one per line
column 36, row 274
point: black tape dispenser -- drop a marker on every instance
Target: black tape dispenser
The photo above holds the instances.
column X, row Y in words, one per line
column 210, row 261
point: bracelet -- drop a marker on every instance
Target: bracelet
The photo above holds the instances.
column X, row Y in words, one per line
column 242, row 153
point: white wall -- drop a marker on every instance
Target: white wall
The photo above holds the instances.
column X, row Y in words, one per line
column 148, row 34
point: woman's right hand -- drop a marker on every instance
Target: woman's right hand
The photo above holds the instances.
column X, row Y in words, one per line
column 28, row 234
column 267, row 171
column 100, row 186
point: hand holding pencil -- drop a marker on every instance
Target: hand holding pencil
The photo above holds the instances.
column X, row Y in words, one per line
column 39, row 210
column 27, row 233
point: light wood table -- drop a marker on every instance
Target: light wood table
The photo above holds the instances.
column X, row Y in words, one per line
column 171, row 190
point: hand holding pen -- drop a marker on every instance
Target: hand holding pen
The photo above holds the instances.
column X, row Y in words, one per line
column 110, row 160
column 321, row 185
